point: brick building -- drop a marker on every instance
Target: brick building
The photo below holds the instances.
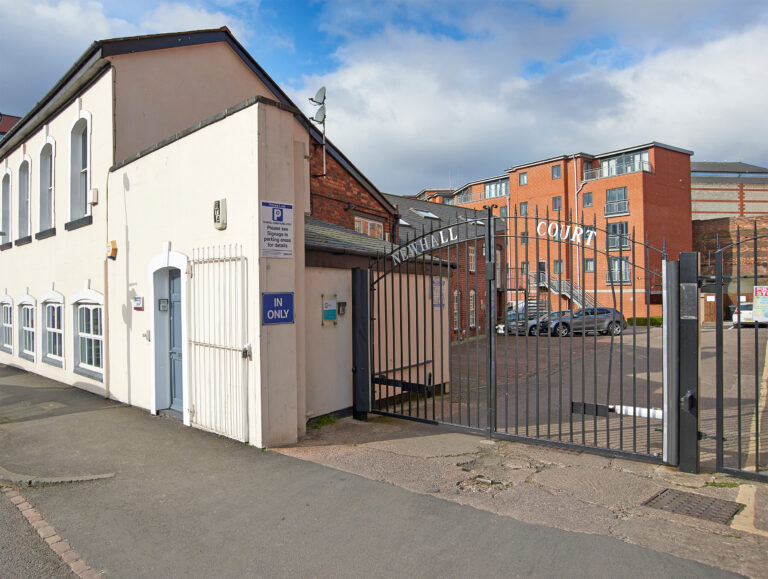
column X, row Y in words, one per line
column 6, row 123
column 728, row 190
column 637, row 190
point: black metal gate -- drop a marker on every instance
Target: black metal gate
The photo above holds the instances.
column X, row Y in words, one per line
column 741, row 371
column 527, row 327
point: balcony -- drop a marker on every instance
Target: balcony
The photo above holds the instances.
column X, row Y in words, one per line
column 616, row 208
column 621, row 167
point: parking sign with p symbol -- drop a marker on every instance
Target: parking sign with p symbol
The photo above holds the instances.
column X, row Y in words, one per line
column 277, row 214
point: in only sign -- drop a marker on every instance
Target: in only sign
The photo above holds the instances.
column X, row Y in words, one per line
column 276, row 308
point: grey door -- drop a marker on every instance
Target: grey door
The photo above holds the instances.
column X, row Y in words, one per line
column 174, row 291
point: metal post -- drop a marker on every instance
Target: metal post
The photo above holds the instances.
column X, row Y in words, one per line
column 671, row 316
column 689, row 362
column 490, row 318
column 361, row 363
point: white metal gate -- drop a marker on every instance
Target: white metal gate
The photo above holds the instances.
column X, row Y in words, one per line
column 218, row 341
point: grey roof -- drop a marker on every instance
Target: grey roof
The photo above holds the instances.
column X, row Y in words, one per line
column 725, row 167
column 702, row 180
column 323, row 236
column 447, row 215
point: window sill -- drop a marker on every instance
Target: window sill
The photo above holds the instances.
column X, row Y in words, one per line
column 78, row 223
column 6, row 349
column 89, row 373
column 25, row 356
column 53, row 362
column 23, row 241
column 622, row 214
column 46, row 233
column 5, row 246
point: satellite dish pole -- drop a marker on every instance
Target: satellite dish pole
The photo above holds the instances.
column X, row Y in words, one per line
column 319, row 118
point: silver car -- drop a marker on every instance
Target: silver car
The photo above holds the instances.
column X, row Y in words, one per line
column 602, row 320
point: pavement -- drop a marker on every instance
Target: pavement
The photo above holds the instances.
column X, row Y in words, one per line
column 118, row 492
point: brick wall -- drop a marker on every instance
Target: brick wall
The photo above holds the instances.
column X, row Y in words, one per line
column 710, row 234
column 338, row 197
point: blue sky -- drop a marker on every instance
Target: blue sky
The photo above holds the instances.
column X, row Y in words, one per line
column 435, row 93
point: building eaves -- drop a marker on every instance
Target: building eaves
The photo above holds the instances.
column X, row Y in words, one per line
column 711, row 180
column 322, row 236
column 725, row 167
column 480, row 181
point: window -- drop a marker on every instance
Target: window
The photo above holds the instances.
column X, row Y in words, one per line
column 90, row 341
column 616, row 201
column 472, row 257
column 618, row 270
column 524, row 238
column 53, row 335
column 496, row 189
column 79, row 171
column 472, row 312
column 425, row 214
column 46, row 188
column 523, row 178
column 369, row 227
column 27, row 332
column 498, row 269
column 5, row 211
column 587, row 200
column 589, row 265
column 24, row 200
column 503, row 212
column 557, row 203
column 557, row 266
column 6, row 329
column 617, row 235
column 456, row 310
column 524, row 208
column 524, row 268
column 556, row 171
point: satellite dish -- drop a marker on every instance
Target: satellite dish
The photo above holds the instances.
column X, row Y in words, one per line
column 319, row 115
column 319, row 97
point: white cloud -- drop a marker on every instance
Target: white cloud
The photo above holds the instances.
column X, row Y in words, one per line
column 179, row 16
column 414, row 110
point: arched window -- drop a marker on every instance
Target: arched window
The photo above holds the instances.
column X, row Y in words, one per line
column 472, row 311
column 46, row 188
column 24, row 200
column 5, row 211
column 52, row 326
column 79, row 170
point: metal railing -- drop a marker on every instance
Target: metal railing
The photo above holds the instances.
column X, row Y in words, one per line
column 620, row 168
column 564, row 287
column 616, row 208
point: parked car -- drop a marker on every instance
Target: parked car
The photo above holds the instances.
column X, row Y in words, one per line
column 513, row 319
column 602, row 320
column 743, row 315
column 531, row 326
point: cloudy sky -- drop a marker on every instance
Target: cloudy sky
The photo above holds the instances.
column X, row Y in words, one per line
column 436, row 93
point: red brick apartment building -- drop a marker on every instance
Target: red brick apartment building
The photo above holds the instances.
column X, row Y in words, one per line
column 644, row 189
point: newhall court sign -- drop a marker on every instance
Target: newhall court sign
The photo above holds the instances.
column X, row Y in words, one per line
column 560, row 232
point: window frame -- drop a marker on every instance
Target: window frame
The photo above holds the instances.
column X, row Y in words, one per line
column 589, row 265
column 24, row 220
column 86, row 340
column 47, row 188
column 522, row 179
column 472, row 258
column 617, row 237
column 584, row 203
column 6, row 325
column 6, row 208
column 557, row 203
column 80, row 170
column 618, row 206
column 27, row 335
column 456, row 310
column 366, row 224
column 557, row 266
column 472, row 309
column 523, row 208
column 557, row 172
column 52, row 334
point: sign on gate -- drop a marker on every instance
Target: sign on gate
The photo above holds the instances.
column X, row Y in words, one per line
column 760, row 303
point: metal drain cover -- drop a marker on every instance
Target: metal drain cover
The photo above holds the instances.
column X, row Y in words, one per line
column 693, row 505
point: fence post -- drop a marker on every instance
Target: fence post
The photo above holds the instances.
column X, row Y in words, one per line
column 361, row 351
column 689, row 362
column 490, row 318
column 671, row 360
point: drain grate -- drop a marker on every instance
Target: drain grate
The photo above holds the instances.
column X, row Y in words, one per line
column 693, row 505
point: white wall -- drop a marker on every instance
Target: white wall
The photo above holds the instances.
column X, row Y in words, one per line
column 328, row 346
column 70, row 259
